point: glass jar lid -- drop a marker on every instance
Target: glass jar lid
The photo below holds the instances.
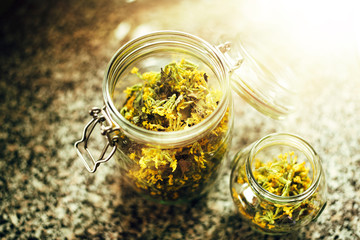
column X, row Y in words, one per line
column 260, row 78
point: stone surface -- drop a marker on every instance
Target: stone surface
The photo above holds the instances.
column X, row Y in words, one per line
column 52, row 61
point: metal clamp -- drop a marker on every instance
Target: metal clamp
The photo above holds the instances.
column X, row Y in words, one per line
column 100, row 116
column 233, row 62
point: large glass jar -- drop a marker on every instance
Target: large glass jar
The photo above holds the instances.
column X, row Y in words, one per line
column 278, row 184
column 178, row 166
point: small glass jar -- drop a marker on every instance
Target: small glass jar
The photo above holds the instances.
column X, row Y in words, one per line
column 253, row 184
column 178, row 166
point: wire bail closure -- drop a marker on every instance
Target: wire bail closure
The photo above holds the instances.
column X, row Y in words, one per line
column 102, row 117
column 233, row 62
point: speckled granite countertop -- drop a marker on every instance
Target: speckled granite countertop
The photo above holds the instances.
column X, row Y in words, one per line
column 52, row 61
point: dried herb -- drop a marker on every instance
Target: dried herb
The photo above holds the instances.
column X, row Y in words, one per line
column 176, row 98
column 282, row 176
column 173, row 99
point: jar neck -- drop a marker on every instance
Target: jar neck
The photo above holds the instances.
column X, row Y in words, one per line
column 296, row 143
column 165, row 41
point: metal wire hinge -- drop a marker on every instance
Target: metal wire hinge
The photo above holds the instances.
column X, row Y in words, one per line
column 100, row 116
column 234, row 63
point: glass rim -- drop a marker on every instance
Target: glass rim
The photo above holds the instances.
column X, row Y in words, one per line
column 174, row 138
